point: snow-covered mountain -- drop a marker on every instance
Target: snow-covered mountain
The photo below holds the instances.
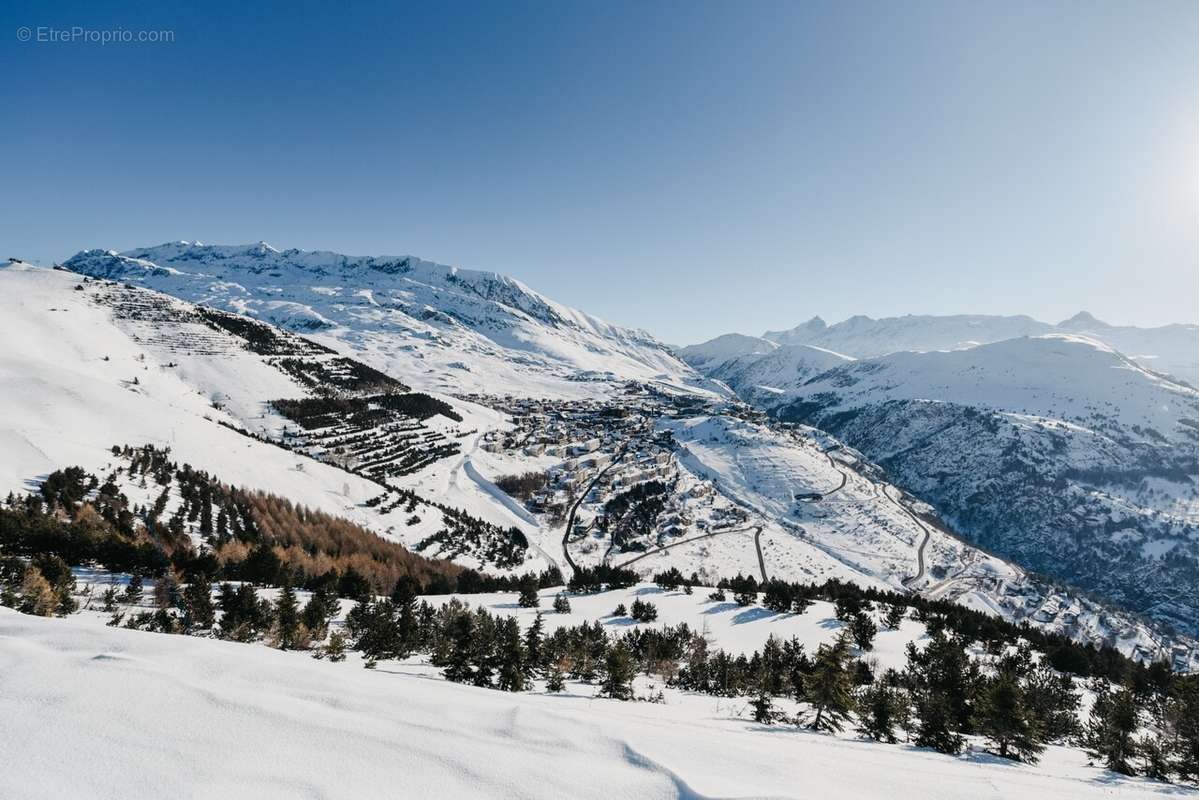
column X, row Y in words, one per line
column 770, row 379
column 1067, row 448
column 1171, row 349
column 724, row 348
column 92, row 363
column 863, row 337
column 89, row 364
column 1057, row 452
column 447, row 329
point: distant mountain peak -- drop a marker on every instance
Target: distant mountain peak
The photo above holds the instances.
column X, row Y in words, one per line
column 816, row 325
column 1082, row 319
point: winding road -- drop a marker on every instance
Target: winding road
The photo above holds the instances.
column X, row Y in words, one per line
column 924, row 542
column 570, row 519
column 757, row 529
column 882, row 488
column 758, row 547
column 844, row 475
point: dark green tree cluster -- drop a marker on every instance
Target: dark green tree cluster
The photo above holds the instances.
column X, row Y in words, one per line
column 598, row 578
column 643, row 611
column 672, row 579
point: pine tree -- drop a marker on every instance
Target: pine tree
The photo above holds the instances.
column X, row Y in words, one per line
column 243, row 615
column 512, row 676
column 1155, row 761
column 133, row 590
column 528, row 592
column 198, row 609
column 533, row 642
column 458, row 660
column 846, row 607
column 287, row 618
column 763, row 707
column 643, row 611
column 485, row 656
column 318, row 611
column 934, row 728
column 863, row 631
column 372, row 625
column 827, row 687
column 945, row 669
column 618, row 676
column 408, row 627
column 895, row 615
column 561, row 604
column 555, row 681
column 1114, row 719
column 1052, row 703
column 761, row 702
column 1182, row 717
column 336, row 649
column 206, row 515
column 877, row 707
column 1002, row 717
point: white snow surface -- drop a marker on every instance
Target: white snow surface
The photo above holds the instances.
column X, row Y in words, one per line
column 1173, row 349
column 1057, row 376
column 724, row 348
column 773, row 378
column 443, row 328
column 87, row 710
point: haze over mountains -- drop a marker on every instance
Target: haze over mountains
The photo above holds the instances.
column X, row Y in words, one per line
column 1172, row 349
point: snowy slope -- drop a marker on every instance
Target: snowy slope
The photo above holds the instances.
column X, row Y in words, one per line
column 251, row 722
column 713, row 353
column 1056, row 451
column 79, row 375
column 863, row 337
column 774, row 378
column 1171, row 349
column 102, row 365
column 1060, row 376
column 447, row 329
column 819, row 510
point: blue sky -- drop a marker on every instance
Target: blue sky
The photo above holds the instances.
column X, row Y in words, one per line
column 690, row 168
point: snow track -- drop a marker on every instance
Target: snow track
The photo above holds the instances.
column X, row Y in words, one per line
column 710, row 535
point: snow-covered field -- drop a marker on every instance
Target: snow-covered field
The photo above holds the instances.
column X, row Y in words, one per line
column 735, row 629
column 87, row 710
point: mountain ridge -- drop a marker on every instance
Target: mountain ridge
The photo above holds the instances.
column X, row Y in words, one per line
column 1172, row 349
column 404, row 314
